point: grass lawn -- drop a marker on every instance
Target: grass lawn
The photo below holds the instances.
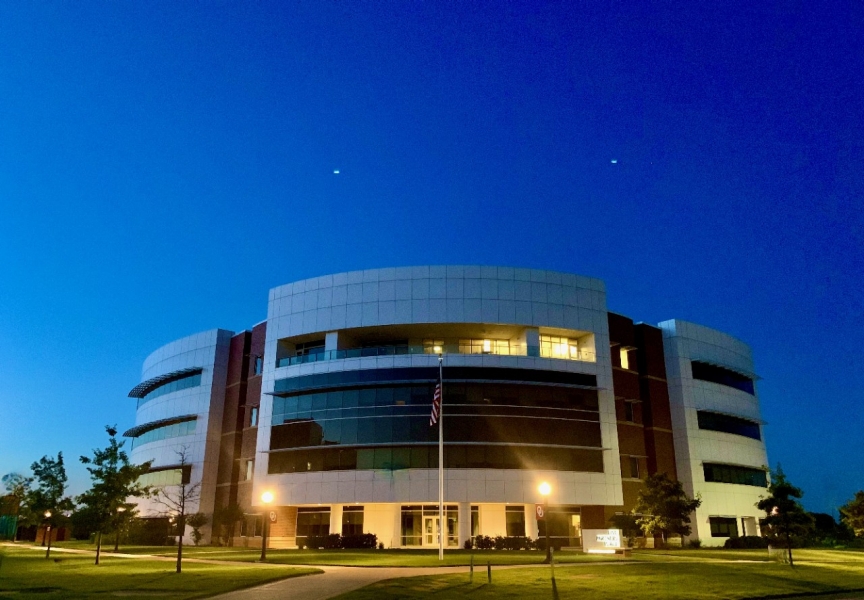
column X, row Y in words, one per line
column 26, row 573
column 673, row 575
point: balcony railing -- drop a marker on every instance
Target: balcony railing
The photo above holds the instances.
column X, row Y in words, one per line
column 513, row 350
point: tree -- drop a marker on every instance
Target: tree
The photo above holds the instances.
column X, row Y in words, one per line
column 46, row 502
column 115, row 480
column 225, row 519
column 663, row 507
column 176, row 499
column 17, row 487
column 853, row 513
column 785, row 517
column 196, row 522
column 626, row 522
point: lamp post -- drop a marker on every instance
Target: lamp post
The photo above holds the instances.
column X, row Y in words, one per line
column 47, row 532
column 544, row 490
column 266, row 499
column 120, row 511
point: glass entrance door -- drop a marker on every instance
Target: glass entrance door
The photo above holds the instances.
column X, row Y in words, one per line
column 431, row 529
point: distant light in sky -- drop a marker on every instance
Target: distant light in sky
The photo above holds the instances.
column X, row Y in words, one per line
column 335, row 171
column 614, row 161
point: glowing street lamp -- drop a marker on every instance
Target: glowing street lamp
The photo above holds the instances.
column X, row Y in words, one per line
column 545, row 489
column 47, row 533
column 266, row 499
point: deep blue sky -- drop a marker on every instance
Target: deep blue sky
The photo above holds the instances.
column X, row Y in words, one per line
column 162, row 165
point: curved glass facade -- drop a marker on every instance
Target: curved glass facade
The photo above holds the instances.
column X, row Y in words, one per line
column 488, row 425
column 183, row 383
column 166, row 432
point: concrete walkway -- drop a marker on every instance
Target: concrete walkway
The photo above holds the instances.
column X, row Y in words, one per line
column 333, row 582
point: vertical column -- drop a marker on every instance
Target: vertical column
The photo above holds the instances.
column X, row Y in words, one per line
column 531, row 529
column 464, row 523
column 331, row 341
column 532, row 341
column 336, row 518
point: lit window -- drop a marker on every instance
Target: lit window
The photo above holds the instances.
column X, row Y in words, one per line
column 433, row 346
column 253, row 417
column 484, row 347
column 625, row 358
column 552, row 346
column 250, row 470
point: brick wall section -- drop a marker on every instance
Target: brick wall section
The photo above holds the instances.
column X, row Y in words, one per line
column 286, row 522
column 648, row 437
column 243, row 391
column 655, row 401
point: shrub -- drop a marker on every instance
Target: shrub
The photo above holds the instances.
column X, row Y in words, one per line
column 363, row 540
column 696, row 543
column 468, row 545
column 499, row 542
column 484, row 542
column 746, row 542
column 380, row 545
column 316, row 542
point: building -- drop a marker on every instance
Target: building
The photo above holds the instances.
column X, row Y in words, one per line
column 326, row 405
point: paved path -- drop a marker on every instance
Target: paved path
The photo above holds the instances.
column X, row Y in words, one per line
column 334, row 581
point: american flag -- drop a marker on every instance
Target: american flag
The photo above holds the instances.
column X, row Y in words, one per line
column 436, row 404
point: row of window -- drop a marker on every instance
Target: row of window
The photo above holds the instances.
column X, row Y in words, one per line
column 166, row 476
column 415, row 429
column 708, row 372
column 371, row 377
column 719, row 473
column 189, row 381
column 304, row 406
column 550, row 347
column 165, row 432
column 713, row 421
column 426, row 457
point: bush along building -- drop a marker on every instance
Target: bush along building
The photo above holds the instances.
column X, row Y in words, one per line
column 326, row 406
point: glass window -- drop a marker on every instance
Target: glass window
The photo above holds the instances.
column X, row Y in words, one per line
column 720, row 473
column 259, row 365
column 431, row 346
column 189, row 381
column 723, row 526
column 634, row 467
column 253, row 417
column 728, row 424
column 313, row 521
column 515, row 516
column 165, row 432
column 722, row 376
column 249, row 471
column 628, row 412
column 552, row 346
column 352, row 520
column 484, row 346
column 624, row 353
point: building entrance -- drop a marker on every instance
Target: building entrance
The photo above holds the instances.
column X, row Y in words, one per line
column 431, row 531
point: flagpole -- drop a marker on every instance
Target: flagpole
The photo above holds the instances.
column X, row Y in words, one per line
column 441, row 523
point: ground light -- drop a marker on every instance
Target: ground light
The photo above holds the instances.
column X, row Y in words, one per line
column 544, row 490
column 266, row 498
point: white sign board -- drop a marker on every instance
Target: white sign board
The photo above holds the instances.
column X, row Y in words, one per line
column 601, row 540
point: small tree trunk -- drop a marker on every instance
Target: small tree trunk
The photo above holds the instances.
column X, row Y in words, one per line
column 117, row 540
column 48, row 551
column 179, row 552
column 98, row 545
column 789, row 544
